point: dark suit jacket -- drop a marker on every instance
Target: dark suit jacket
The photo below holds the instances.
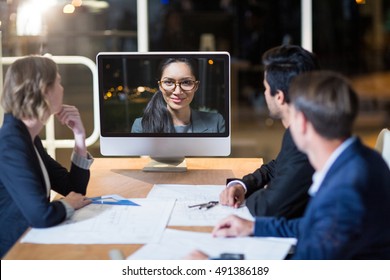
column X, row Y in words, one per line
column 202, row 122
column 23, row 195
column 349, row 217
column 288, row 179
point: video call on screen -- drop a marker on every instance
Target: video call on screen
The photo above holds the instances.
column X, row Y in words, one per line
column 128, row 81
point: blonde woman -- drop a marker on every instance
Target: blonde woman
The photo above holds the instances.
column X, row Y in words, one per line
column 32, row 93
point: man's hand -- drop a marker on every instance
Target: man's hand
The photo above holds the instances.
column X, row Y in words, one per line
column 232, row 196
column 233, row 226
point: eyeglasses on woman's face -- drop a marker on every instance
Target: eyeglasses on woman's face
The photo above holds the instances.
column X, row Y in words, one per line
column 185, row 85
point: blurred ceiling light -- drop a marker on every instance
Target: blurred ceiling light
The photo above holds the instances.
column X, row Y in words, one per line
column 68, row 9
column 96, row 4
column 141, row 89
column 77, row 3
column 360, row 2
column 31, row 23
column 12, row 17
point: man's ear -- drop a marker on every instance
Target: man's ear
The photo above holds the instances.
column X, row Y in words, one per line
column 280, row 98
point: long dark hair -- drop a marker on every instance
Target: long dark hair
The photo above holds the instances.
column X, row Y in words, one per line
column 156, row 117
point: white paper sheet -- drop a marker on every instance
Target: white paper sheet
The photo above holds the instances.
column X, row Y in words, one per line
column 186, row 195
column 109, row 224
column 176, row 244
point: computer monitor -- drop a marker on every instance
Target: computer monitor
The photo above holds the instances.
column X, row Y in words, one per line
column 128, row 81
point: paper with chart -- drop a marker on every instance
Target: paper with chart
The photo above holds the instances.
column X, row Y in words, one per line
column 109, row 224
column 186, row 195
column 176, row 244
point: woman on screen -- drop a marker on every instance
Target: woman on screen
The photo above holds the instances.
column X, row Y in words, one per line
column 169, row 111
column 32, row 93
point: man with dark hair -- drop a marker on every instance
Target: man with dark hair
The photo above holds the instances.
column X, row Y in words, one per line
column 278, row 188
column 348, row 214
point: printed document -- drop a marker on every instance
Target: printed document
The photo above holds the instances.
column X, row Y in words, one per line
column 187, row 195
column 177, row 244
column 109, row 224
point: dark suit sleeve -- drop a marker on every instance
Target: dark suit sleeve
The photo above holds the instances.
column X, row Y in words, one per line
column 287, row 180
column 258, row 179
column 277, row 227
column 61, row 180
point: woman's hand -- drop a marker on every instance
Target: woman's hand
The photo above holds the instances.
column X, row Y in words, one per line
column 77, row 200
column 70, row 116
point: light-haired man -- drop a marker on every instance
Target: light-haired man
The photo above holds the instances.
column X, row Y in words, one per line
column 348, row 213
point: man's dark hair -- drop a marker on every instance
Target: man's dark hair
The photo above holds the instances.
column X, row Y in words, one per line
column 283, row 63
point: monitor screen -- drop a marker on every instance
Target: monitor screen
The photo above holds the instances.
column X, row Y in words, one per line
column 164, row 104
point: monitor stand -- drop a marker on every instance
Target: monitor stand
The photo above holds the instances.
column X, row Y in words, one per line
column 166, row 165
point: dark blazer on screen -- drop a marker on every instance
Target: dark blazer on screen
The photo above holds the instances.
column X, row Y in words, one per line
column 202, row 122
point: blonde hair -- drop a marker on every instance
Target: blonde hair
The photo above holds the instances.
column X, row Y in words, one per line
column 25, row 85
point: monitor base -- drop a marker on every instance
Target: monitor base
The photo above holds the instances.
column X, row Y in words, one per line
column 166, row 165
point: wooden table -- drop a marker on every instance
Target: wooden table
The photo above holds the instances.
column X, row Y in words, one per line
column 124, row 176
